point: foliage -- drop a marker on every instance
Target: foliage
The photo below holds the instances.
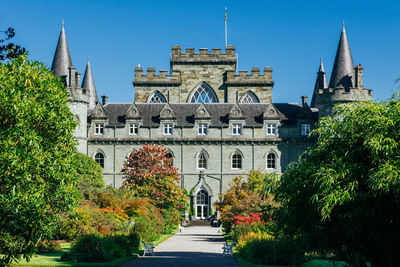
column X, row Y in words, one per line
column 150, row 174
column 343, row 195
column 245, row 196
column 10, row 50
column 36, row 145
column 49, row 246
column 89, row 172
column 261, row 248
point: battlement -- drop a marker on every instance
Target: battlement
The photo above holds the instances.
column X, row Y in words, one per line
column 254, row 78
column 342, row 95
column 163, row 78
column 204, row 56
column 78, row 94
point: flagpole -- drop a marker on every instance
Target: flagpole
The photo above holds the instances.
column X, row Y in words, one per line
column 226, row 29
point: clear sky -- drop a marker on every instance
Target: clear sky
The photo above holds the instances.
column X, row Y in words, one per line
column 289, row 36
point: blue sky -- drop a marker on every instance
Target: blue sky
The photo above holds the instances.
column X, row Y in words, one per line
column 289, row 36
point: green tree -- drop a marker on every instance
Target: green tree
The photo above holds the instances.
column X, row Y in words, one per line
column 9, row 50
column 90, row 174
column 37, row 178
column 343, row 195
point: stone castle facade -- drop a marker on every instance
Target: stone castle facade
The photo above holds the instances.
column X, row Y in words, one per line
column 216, row 124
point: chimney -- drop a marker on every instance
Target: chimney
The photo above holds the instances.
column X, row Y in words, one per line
column 304, row 100
column 104, row 99
column 359, row 76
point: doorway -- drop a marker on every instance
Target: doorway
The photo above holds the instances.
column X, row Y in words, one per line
column 202, row 204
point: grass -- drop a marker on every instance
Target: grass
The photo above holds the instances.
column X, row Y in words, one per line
column 313, row 263
column 54, row 259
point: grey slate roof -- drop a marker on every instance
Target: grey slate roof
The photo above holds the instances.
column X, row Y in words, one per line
column 343, row 69
column 62, row 59
column 185, row 113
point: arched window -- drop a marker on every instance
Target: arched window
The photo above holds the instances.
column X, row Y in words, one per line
column 170, row 156
column 202, row 161
column 249, row 98
column 99, row 158
column 157, row 97
column 271, row 161
column 202, row 197
column 236, row 161
column 204, row 94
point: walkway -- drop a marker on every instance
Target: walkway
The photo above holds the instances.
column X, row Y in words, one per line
column 195, row 246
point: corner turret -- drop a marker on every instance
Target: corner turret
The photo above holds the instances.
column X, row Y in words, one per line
column 62, row 58
column 346, row 83
column 88, row 84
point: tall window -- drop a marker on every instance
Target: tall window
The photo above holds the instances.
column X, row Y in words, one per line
column 202, row 129
column 99, row 158
column 236, row 161
column 236, row 129
column 249, row 98
column 133, row 129
column 202, row 197
column 201, row 161
column 168, row 129
column 204, row 94
column 170, row 157
column 98, row 128
column 271, row 129
column 157, row 97
column 271, row 161
column 305, row 129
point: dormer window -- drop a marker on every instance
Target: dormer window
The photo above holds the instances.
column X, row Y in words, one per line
column 98, row 128
column 271, row 129
column 305, row 129
column 202, row 129
column 133, row 129
column 168, row 129
column 237, row 129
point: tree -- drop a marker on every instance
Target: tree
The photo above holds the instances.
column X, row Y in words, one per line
column 37, row 178
column 10, row 50
column 90, row 174
column 149, row 173
column 247, row 195
column 342, row 196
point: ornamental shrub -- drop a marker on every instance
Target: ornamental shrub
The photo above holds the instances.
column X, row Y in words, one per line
column 261, row 248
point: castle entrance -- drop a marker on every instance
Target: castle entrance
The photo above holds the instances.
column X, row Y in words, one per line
column 202, row 204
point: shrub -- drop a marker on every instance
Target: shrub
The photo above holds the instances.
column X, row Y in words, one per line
column 49, row 246
column 261, row 248
column 95, row 248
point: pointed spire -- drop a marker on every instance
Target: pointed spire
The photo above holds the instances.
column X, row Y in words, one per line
column 88, row 84
column 320, row 83
column 343, row 68
column 62, row 58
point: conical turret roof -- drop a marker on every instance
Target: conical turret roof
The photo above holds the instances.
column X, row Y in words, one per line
column 343, row 68
column 320, row 83
column 62, row 58
column 88, row 84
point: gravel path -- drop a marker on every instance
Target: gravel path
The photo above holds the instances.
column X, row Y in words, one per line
column 195, row 246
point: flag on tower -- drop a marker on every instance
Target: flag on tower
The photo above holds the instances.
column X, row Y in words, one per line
column 225, row 14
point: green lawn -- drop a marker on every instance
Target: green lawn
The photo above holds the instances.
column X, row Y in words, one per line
column 54, row 259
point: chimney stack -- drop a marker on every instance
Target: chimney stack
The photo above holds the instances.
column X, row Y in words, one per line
column 104, row 99
column 304, row 100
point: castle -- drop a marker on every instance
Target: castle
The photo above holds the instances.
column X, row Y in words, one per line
column 215, row 123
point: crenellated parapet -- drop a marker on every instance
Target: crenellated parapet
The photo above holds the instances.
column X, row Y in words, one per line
column 254, row 78
column 163, row 78
column 203, row 56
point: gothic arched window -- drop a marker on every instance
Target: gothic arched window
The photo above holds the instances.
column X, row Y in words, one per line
column 249, row 98
column 202, row 197
column 99, row 158
column 271, row 161
column 157, row 97
column 236, row 160
column 202, row 161
column 204, row 94
column 170, row 156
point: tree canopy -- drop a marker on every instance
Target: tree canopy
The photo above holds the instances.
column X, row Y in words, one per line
column 342, row 196
column 37, row 178
column 9, row 50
